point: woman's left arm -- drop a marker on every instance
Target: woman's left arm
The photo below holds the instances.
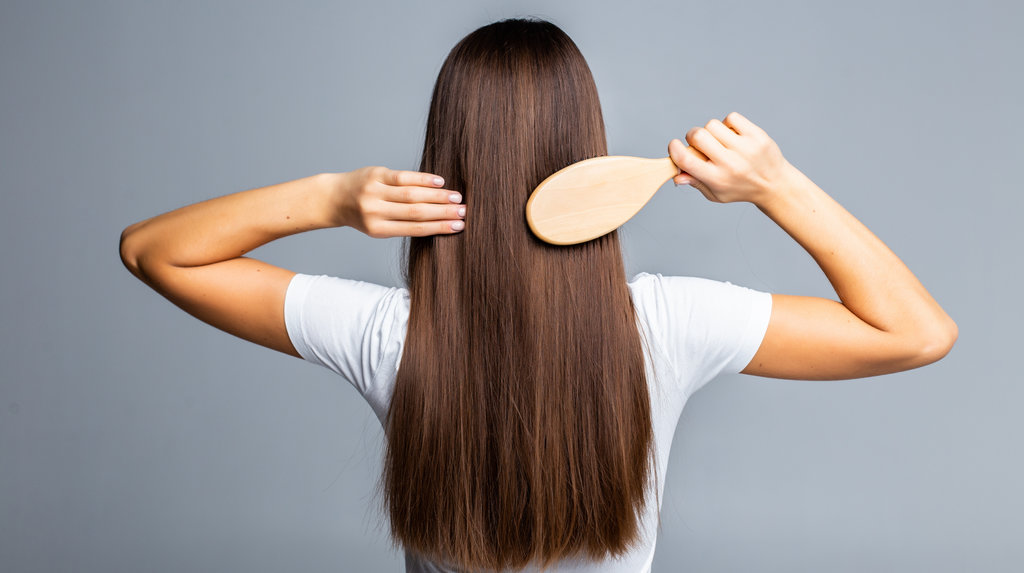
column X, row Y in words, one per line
column 193, row 256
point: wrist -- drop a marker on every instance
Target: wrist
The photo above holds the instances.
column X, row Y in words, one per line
column 789, row 182
column 332, row 189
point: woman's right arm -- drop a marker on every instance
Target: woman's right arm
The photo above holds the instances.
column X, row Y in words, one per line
column 887, row 322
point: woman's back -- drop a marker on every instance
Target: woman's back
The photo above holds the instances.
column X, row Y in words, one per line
column 697, row 328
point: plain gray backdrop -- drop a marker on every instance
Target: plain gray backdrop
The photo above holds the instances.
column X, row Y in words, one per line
column 134, row 437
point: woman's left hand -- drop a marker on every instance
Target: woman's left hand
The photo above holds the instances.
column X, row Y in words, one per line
column 382, row 203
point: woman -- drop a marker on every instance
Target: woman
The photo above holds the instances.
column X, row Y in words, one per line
column 538, row 389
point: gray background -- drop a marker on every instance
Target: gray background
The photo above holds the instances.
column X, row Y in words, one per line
column 135, row 438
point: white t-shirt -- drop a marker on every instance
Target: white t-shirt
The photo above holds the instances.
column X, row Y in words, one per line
column 697, row 328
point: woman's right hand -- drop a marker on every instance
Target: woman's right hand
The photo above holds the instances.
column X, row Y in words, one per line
column 884, row 321
column 729, row 160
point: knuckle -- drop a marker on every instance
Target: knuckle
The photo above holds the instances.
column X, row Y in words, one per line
column 416, row 212
column 406, row 194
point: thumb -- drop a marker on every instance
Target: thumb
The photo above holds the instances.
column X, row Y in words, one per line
column 705, row 191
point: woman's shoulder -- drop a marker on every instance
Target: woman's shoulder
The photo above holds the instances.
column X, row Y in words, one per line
column 342, row 290
column 647, row 284
column 706, row 326
column 348, row 326
column 674, row 299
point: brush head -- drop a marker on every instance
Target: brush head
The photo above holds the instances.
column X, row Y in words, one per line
column 593, row 197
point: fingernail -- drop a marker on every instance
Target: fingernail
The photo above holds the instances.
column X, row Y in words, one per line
column 438, row 181
column 455, row 198
column 458, row 225
column 462, row 211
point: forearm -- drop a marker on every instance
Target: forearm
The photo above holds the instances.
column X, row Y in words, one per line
column 871, row 281
column 229, row 226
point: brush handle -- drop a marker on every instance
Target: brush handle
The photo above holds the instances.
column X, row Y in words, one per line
column 670, row 169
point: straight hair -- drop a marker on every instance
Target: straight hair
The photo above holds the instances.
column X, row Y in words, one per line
column 519, row 431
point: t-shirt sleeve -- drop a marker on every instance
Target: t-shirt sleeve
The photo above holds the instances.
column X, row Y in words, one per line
column 341, row 324
column 706, row 327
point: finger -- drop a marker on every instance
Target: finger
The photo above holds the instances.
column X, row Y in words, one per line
column 683, row 179
column 707, row 144
column 420, row 212
column 690, row 160
column 409, row 194
column 723, row 133
column 419, row 229
column 742, row 125
column 398, row 178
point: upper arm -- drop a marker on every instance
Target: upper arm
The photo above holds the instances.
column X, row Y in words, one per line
column 812, row 338
column 241, row 296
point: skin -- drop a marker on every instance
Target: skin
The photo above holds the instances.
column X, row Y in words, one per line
column 884, row 322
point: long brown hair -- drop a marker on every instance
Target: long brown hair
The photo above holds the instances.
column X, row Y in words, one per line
column 519, row 430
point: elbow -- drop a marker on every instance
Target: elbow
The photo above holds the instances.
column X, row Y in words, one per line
column 137, row 254
column 939, row 342
column 128, row 251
